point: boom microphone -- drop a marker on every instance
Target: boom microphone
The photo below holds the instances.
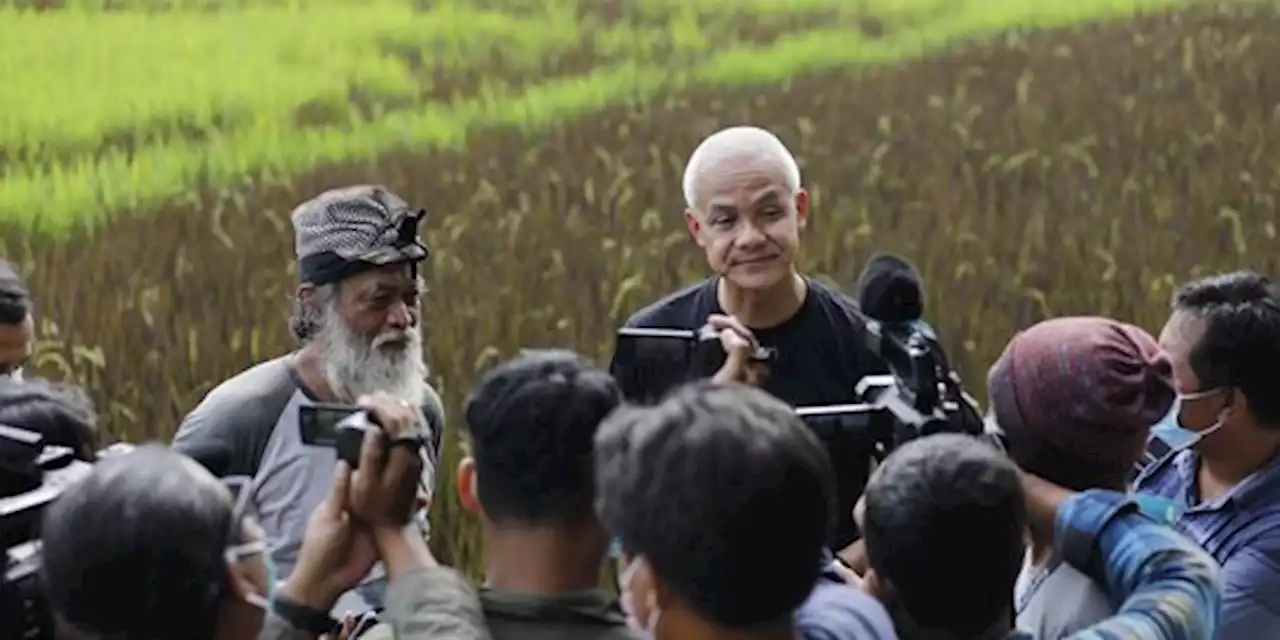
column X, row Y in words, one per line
column 890, row 290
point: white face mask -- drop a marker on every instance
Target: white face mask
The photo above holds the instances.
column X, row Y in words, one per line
column 648, row 630
column 1179, row 436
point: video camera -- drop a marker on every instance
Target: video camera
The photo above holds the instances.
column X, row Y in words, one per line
column 32, row 476
column 922, row 393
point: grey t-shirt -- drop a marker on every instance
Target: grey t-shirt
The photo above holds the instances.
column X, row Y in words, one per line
column 1056, row 600
column 248, row 426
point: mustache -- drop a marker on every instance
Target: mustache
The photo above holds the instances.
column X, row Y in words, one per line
column 394, row 337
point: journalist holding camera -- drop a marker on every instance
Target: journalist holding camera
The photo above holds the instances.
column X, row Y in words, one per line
column 151, row 545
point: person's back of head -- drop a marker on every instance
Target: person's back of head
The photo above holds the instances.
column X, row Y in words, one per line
column 1076, row 398
column 135, row 551
column 943, row 519
column 723, row 501
column 531, row 423
column 64, row 415
column 16, row 326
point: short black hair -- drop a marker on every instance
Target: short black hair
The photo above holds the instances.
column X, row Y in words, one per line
column 1240, row 345
column 63, row 414
column 944, row 521
column 726, row 494
column 532, row 422
column 15, row 299
column 136, row 549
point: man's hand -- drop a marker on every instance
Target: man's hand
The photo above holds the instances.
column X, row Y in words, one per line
column 384, row 489
column 739, row 346
column 335, row 553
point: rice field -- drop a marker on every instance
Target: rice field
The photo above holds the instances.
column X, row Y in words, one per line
column 1033, row 158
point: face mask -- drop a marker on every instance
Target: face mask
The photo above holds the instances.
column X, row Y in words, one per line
column 1171, row 430
column 645, row 631
column 241, row 551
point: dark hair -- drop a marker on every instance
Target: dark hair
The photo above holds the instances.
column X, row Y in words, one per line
column 943, row 521
column 15, row 299
column 62, row 414
column 136, row 549
column 1240, row 345
column 532, row 422
column 725, row 493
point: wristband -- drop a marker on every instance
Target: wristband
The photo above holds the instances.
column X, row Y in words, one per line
column 302, row 617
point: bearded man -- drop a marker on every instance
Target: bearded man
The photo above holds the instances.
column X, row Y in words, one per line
column 357, row 315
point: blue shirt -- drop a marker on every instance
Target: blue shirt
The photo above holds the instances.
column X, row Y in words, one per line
column 1240, row 529
column 837, row 611
column 1167, row 588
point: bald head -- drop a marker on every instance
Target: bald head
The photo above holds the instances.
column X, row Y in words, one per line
column 734, row 147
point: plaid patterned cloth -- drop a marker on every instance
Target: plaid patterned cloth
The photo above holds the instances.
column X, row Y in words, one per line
column 1170, row 589
column 363, row 224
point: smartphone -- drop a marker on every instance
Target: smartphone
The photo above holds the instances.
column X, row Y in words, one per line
column 318, row 423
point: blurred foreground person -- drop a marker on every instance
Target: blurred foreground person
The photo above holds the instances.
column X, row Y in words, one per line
column 150, row 546
column 17, row 329
column 1223, row 485
column 1074, row 398
column 722, row 502
column 63, row 414
column 944, row 518
column 746, row 209
column 530, row 427
column 357, row 316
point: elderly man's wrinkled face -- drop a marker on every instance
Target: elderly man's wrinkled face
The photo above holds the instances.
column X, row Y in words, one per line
column 748, row 220
column 371, row 336
column 15, row 345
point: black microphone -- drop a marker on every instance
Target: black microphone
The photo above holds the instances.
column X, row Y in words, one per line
column 890, row 290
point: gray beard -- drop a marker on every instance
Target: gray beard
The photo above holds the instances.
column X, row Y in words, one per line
column 355, row 366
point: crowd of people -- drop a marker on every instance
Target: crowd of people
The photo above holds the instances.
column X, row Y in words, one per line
column 1125, row 487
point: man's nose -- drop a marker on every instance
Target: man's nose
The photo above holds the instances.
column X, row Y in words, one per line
column 751, row 235
column 402, row 316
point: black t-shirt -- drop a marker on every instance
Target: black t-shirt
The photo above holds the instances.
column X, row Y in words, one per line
column 821, row 356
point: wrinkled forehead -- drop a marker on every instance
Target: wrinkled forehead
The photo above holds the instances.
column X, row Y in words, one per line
column 740, row 180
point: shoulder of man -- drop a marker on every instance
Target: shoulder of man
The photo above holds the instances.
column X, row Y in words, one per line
column 228, row 431
column 837, row 610
column 678, row 310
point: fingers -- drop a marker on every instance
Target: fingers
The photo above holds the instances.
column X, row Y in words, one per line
column 723, row 323
column 341, row 489
column 371, row 452
column 396, row 416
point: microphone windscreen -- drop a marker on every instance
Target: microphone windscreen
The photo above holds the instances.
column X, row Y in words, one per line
column 890, row 290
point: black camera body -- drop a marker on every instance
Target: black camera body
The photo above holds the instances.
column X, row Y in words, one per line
column 32, row 476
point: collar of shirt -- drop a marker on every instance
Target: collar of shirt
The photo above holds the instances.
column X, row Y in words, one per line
column 1262, row 485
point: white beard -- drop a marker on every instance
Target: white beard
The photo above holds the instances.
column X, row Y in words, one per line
column 355, row 366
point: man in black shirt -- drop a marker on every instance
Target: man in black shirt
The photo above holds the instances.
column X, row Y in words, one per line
column 746, row 209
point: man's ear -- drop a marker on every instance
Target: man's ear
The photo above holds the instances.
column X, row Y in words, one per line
column 802, row 208
column 304, row 293
column 468, row 495
column 694, row 223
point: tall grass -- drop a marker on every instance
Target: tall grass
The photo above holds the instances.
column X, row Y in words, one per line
column 1082, row 170
column 153, row 103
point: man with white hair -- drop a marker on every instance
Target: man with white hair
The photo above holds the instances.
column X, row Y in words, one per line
column 746, row 208
column 357, row 314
